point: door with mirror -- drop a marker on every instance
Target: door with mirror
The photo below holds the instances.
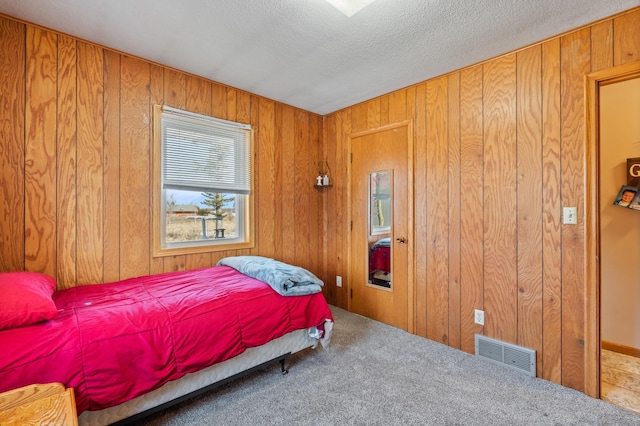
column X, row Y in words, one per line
column 380, row 214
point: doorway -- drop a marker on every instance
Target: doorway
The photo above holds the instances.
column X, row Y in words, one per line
column 381, row 223
column 612, row 374
column 619, row 246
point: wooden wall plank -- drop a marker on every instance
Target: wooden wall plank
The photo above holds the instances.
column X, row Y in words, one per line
column 575, row 63
column 232, row 100
column 219, row 101
column 500, row 269
column 420, row 214
column 411, row 253
column 288, row 205
column 255, row 126
column 316, row 212
column 266, row 179
column 90, row 225
column 135, row 142
column 342, row 192
column 437, row 211
column 279, row 168
column 198, row 95
column 304, row 179
column 111, row 165
column 602, row 45
column 243, row 107
column 340, row 212
column 384, row 110
column 156, row 97
column 626, row 35
column 344, row 160
column 359, row 117
column 552, row 238
column 529, row 199
column 40, row 151
column 455, row 191
column 330, row 149
column 373, row 113
column 67, row 160
column 398, row 106
column 411, row 102
column 175, row 89
column 323, row 204
column 12, row 154
column 471, row 204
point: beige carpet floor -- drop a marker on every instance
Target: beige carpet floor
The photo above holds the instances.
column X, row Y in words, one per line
column 374, row 374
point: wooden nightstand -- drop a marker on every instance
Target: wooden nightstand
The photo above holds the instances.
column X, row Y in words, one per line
column 49, row 404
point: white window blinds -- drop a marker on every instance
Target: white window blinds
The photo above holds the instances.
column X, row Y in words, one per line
column 201, row 153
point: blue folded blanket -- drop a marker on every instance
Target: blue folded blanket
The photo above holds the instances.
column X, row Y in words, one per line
column 288, row 280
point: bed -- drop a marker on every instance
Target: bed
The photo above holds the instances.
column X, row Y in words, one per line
column 129, row 346
column 380, row 263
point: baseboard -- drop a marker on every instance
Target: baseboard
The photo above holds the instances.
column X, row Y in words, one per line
column 627, row 350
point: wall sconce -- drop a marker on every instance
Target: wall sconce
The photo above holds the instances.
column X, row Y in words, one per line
column 324, row 175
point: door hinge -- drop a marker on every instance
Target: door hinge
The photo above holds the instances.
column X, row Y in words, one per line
column 351, row 155
column 351, row 226
column 351, row 293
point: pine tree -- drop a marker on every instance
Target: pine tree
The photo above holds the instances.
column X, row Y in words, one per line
column 215, row 201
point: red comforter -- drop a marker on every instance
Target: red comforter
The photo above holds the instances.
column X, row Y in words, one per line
column 113, row 342
column 380, row 259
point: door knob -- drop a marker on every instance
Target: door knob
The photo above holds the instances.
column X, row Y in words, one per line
column 401, row 240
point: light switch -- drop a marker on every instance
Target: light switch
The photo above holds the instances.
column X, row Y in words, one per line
column 570, row 215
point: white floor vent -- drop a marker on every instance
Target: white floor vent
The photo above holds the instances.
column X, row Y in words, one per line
column 517, row 357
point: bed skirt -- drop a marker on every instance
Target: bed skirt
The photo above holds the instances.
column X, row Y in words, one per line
column 292, row 342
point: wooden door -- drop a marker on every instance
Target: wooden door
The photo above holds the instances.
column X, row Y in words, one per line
column 380, row 221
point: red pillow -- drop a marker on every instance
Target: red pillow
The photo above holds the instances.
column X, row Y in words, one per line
column 25, row 299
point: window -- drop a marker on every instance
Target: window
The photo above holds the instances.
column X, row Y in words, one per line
column 203, row 184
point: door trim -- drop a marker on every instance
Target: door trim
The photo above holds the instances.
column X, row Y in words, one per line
column 411, row 285
column 593, row 81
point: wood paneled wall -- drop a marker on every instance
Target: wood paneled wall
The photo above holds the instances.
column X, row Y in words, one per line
column 499, row 150
column 75, row 192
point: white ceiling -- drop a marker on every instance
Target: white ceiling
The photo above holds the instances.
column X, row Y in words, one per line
column 305, row 52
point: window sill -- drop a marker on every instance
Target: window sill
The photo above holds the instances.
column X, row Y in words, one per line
column 211, row 248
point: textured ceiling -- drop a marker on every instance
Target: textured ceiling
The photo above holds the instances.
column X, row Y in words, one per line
column 305, row 52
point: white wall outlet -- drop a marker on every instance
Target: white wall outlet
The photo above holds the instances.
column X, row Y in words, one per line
column 338, row 281
column 570, row 215
column 479, row 317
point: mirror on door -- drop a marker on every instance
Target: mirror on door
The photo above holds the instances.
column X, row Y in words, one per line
column 380, row 231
